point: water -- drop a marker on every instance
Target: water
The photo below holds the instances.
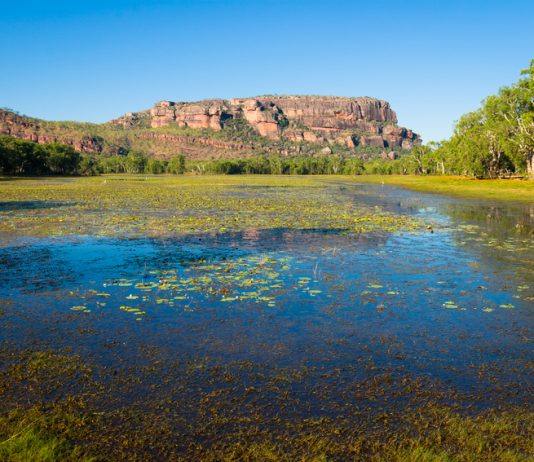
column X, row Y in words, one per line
column 314, row 322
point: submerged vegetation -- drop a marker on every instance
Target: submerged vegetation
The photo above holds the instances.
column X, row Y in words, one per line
column 166, row 206
column 257, row 318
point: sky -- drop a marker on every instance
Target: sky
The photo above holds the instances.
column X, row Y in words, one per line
column 96, row 60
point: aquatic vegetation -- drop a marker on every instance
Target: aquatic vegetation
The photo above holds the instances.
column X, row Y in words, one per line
column 135, row 206
column 275, row 318
column 256, row 279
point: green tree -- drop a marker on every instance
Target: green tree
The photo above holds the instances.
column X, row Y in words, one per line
column 62, row 159
column 353, row 166
column 154, row 166
column 89, row 166
column 176, row 165
column 135, row 162
column 112, row 164
column 498, row 138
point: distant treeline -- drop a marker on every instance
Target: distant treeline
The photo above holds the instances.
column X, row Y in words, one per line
column 20, row 157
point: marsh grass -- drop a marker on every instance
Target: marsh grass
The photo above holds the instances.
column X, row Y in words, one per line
column 429, row 434
column 509, row 190
column 139, row 205
column 24, row 438
column 69, row 429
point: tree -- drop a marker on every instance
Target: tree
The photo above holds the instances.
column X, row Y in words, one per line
column 498, row 138
column 62, row 159
column 520, row 116
column 113, row 164
column 154, row 166
column 135, row 162
column 353, row 166
column 89, row 166
column 176, row 165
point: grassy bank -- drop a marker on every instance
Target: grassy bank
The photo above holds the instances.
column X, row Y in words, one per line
column 430, row 434
column 510, row 190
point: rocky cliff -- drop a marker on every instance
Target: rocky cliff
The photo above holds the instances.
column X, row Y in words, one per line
column 239, row 127
column 316, row 119
column 43, row 132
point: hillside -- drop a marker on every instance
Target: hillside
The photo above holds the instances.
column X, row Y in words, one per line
column 236, row 128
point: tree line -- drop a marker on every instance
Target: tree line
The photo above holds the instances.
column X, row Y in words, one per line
column 495, row 140
column 22, row 157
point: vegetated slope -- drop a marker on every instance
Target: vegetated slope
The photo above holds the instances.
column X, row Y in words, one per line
column 240, row 127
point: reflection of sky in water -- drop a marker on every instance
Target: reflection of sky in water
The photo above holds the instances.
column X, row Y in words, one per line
column 431, row 303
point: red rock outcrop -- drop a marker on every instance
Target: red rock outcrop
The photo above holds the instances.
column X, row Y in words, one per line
column 264, row 120
column 316, row 119
column 31, row 129
column 327, row 113
column 204, row 114
column 303, row 121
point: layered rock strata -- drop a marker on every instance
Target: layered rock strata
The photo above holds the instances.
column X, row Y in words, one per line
column 316, row 119
column 290, row 125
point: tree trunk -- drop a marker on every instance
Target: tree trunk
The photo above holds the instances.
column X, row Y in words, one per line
column 530, row 164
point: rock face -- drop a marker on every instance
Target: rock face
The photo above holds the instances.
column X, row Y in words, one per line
column 332, row 113
column 291, row 125
column 205, row 114
column 33, row 130
column 315, row 119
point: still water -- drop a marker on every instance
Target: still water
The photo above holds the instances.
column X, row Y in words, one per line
column 318, row 316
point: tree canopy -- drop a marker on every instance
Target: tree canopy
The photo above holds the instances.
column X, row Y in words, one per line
column 497, row 139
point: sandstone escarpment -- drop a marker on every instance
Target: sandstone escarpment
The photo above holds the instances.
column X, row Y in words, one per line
column 34, row 130
column 316, row 119
column 239, row 127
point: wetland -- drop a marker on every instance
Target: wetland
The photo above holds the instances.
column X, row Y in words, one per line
column 263, row 318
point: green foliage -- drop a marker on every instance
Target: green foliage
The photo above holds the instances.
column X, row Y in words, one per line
column 277, row 165
column 89, row 166
column 494, row 141
column 135, row 162
column 62, row 159
column 24, row 438
column 154, row 166
column 112, row 164
column 21, row 157
column 176, row 165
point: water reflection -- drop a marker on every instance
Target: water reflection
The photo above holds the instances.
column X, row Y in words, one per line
column 438, row 305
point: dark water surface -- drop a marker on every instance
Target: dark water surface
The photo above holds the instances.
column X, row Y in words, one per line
column 316, row 317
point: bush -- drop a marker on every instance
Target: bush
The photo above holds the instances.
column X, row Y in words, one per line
column 176, row 165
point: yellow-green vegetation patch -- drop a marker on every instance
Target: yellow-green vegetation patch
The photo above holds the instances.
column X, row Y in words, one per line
column 259, row 279
column 511, row 190
column 166, row 206
column 24, row 437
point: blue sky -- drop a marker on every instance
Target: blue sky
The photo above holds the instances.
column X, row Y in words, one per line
column 95, row 60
